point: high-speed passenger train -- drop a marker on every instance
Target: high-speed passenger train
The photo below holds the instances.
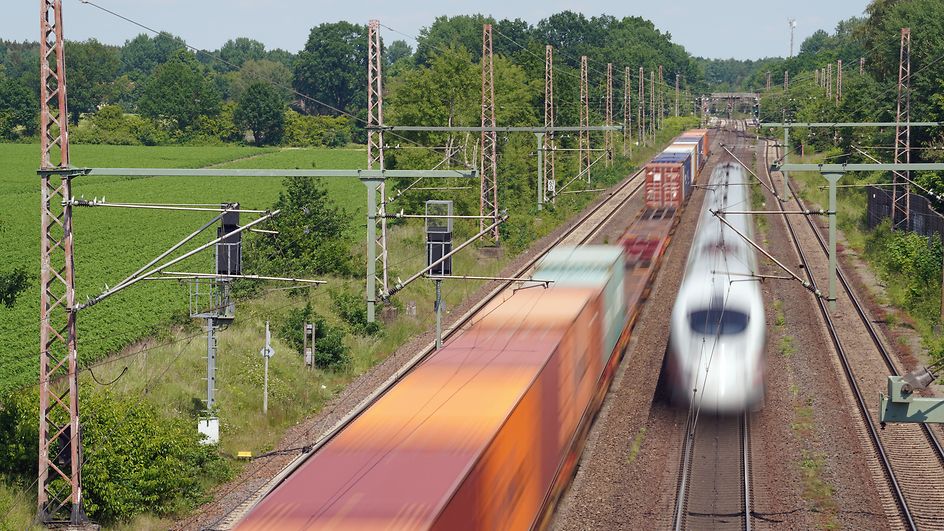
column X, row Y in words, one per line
column 717, row 336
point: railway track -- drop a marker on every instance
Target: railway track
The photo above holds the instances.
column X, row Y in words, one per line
column 908, row 455
column 584, row 230
column 714, row 489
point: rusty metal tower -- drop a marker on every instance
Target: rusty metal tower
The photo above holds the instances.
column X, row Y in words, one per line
column 838, row 80
column 60, row 441
column 768, row 81
column 652, row 105
column 861, row 65
column 584, row 144
column 488, row 205
column 549, row 174
column 786, row 80
column 816, row 75
column 641, row 119
column 676, row 94
column 901, row 189
column 661, row 91
column 627, row 111
column 608, row 119
column 829, row 81
column 375, row 143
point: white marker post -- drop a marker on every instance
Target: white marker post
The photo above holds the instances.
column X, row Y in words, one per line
column 267, row 352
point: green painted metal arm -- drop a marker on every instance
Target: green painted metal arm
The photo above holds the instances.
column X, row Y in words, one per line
column 843, row 168
column 901, row 406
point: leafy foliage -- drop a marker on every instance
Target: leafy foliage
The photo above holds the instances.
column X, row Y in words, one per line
column 330, row 351
column 262, row 111
column 137, row 461
column 304, row 130
column 351, row 309
column 911, row 262
column 18, row 108
column 332, row 67
column 312, row 234
column 179, row 92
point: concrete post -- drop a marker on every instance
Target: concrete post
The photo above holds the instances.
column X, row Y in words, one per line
column 372, row 185
column 786, row 155
column 438, row 308
column 833, row 179
column 211, row 363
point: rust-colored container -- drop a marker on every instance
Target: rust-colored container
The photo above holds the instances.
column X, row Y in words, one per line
column 665, row 184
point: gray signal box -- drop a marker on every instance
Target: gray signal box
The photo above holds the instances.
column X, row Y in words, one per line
column 439, row 236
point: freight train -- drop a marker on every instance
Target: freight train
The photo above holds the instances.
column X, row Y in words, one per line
column 717, row 332
column 486, row 432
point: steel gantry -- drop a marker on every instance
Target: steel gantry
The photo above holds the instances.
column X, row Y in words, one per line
column 584, row 140
column 488, row 204
column 59, row 497
column 901, row 191
column 375, row 143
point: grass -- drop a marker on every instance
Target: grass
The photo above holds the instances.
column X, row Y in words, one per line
column 17, row 508
column 816, row 490
column 787, row 350
column 636, row 445
column 112, row 243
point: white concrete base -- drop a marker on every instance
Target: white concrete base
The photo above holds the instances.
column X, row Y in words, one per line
column 210, row 428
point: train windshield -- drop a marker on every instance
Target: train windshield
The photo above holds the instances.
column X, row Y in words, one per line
column 718, row 322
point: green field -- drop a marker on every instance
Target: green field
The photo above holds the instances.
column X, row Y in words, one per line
column 112, row 243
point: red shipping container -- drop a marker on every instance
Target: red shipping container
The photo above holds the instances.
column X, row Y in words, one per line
column 665, row 183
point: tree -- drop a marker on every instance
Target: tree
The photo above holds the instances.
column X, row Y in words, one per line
column 262, row 110
column 18, row 108
column 235, row 53
column 143, row 54
column 312, row 234
column 179, row 92
column 397, row 50
column 333, row 67
column 265, row 71
column 92, row 69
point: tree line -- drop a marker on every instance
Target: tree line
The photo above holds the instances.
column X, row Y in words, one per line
column 157, row 90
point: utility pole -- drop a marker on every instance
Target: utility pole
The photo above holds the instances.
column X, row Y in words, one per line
column 641, row 121
column 548, row 147
column 652, row 105
column 838, row 80
column 627, row 111
column 267, row 352
column 793, row 24
column 375, row 143
column 817, row 72
column 829, row 81
column 676, row 94
column 608, row 119
column 901, row 189
column 59, row 426
column 786, row 80
column 584, row 143
column 661, row 90
column 861, row 65
column 308, row 345
column 768, row 81
column 488, row 205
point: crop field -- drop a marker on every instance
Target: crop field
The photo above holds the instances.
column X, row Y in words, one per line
column 111, row 243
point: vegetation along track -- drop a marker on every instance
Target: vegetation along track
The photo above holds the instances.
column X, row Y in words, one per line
column 714, row 486
column 580, row 232
column 910, row 456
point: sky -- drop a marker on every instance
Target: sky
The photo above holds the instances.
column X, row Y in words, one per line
column 742, row 29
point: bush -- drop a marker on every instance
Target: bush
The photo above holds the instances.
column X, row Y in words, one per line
column 330, row 352
column 353, row 311
column 303, row 131
column 137, row 461
column 911, row 263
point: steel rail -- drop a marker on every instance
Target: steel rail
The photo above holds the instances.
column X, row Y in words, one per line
column 232, row 517
column 847, row 370
column 887, row 357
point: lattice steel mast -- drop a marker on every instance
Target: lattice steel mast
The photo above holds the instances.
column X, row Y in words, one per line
column 608, row 120
column 901, row 189
column 627, row 111
column 584, row 144
column 548, row 168
column 59, row 428
column 488, row 205
column 375, row 145
column 641, row 121
column 838, row 80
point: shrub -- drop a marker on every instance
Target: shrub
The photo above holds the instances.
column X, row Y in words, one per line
column 302, row 130
column 330, row 352
column 353, row 311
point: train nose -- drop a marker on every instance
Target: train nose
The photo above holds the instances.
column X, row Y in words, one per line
column 725, row 379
